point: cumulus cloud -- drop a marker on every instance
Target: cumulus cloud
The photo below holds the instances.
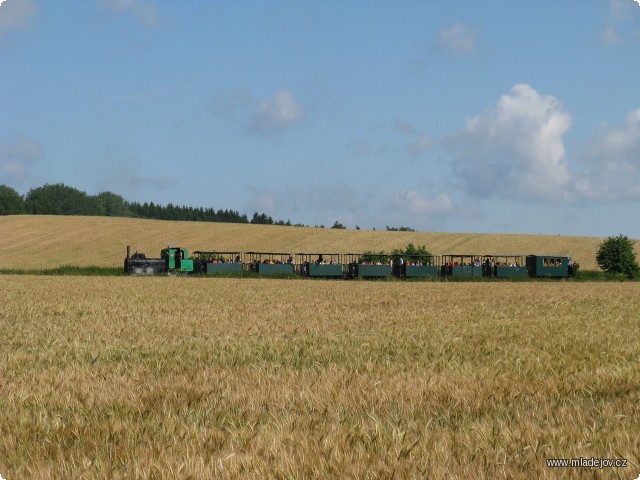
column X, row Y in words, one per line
column 276, row 115
column 457, row 40
column 145, row 11
column 17, row 159
column 515, row 150
column 613, row 163
column 16, row 15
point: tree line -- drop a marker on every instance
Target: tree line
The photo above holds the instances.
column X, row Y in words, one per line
column 60, row 199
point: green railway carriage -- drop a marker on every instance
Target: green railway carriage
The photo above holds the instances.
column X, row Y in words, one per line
column 505, row 266
column 369, row 265
column 214, row 262
column 415, row 266
column 555, row 266
column 462, row 266
column 320, row 265
column 270, row 263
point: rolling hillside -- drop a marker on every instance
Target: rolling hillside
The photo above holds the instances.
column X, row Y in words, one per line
column 33, row 242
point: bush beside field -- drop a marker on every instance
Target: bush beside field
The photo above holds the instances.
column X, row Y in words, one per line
column 41, row 242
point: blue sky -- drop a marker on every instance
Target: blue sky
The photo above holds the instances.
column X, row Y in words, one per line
column 462, row 116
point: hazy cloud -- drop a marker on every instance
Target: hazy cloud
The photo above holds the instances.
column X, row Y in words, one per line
column 457, row 40
column 232, row 101
column 404, row 127
column 619, row 27
column 16, row 15
column 417, row 204
column 334, row 198
column 515, row 150
column 422, row 144
column 276, row 115
column 160, row 182
column 145, row 11
column 17, row 159
column 613, row 163
column 363, row 148
column 414, row 209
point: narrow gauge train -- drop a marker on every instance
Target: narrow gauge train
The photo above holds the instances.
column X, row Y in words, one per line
column 174, row 260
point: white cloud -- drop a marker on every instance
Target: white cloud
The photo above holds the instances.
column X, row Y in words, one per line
column 145, row 11
column 516, row 150
column 17, row 159
column 16, row 14
column 458, row 40
column 277, row 114
column 613, row 163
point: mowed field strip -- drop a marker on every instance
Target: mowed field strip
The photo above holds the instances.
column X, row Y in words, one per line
column 124, row 377
column 34, row 242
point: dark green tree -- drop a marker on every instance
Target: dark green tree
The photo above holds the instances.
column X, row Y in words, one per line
column 338, row 225
column 616, row 256
column 59, row 199
column 400, row 229
column 11, row 202
column 110, row 204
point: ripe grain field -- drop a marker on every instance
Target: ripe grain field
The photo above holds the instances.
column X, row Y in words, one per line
column 37, row 242
column 249, row 378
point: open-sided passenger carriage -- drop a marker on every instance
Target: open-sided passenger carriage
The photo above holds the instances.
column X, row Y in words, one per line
column 368, row 265
column 270, row 263
column 214, row 262
column 415, row 266
column 504, row 266
column 320, row 265
column 462, row 266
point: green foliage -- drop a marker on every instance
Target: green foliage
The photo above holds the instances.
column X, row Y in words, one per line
column 411, row 253
column 11, row 202
column 111, row 205
column 338, row 225
column 574, row 269
column 616, row 256
column 373, row 257
column 58, row 199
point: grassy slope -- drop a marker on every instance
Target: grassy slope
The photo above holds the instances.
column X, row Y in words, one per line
column 50, row 241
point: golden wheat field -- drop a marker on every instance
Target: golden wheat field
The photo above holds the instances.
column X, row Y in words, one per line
column 249, row 378
column 34, row 242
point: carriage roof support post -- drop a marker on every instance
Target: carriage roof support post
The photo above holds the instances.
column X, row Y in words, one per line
column 128, row 252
